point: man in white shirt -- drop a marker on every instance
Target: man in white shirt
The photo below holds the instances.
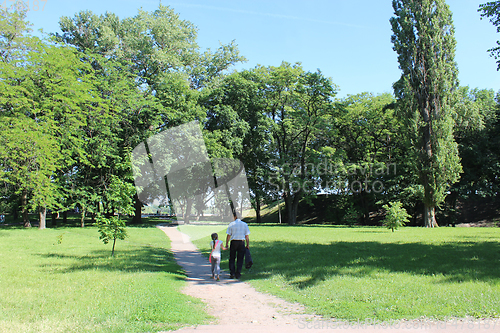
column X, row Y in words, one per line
column 238, row 233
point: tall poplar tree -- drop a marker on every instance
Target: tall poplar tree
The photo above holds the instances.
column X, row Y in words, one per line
column 423, row 37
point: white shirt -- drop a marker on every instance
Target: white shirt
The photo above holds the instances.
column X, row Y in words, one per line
column 238, row 230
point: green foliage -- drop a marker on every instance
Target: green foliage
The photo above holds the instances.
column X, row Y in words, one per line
column 474, row 110
column 73, row 107
column 210, row 65
column 478, row 141
column 45, row 91
column 351, row 215
column 366, row 127
column 368, row 152
column 235, row 108
column 119, row 195
column 13, row 27
column 59, row 238
column 299, row 104
column 396, row 216
column 491, row 10
column 149, row 74
column 112, row 228
column 155, row 45
column 424, row 41
column 30, row 157
column 271, row 118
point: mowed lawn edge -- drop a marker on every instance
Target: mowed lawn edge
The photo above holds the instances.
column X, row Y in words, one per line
column 371, row 273
column 64, row 280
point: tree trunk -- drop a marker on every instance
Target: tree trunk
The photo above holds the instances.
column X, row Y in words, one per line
column 292, row 216
column 65, row 217
column 138, row 210
column 292, row 205
column 43, row 217
column 231, row 203
column 113, row 250
column 82, row 218
column 430, row 217
column 15, row 213
column 54, row 223
column 257, row 210
column 288, row 207
column 279, row 210
column 24, row 205
column 189, row 204
column 295, row 207
column 364, row 208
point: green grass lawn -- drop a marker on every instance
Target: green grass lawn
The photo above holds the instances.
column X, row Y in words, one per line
column 372, row 273
column 64, row 280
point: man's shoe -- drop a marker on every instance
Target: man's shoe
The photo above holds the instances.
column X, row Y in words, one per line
column 231, row 276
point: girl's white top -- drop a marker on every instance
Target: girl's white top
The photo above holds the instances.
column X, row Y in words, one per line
column 216, row 252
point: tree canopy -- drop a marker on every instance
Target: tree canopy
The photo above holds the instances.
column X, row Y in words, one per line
column 491, row 10
column 74, row 105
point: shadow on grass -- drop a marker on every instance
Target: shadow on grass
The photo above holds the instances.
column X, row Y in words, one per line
column 313, row 263
column 10, row 226
column 139, row 259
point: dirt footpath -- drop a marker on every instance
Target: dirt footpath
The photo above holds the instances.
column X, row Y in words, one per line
column 239, row 307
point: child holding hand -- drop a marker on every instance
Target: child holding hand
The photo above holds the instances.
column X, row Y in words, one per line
column 216, row 245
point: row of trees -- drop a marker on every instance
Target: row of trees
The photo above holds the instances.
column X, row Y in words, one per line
column 74, row 105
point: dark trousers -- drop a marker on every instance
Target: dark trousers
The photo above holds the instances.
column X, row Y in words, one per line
column 236, row 251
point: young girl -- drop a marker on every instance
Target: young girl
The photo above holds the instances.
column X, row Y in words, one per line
column 216, row 245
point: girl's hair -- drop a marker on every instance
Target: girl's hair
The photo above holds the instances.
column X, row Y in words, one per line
column 215, row 236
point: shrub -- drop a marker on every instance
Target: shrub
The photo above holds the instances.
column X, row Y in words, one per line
column 396, row 216
column 111, row 229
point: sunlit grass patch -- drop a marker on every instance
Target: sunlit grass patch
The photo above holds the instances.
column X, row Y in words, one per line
column 373, row 273
column 64, row 280
column 196, row 232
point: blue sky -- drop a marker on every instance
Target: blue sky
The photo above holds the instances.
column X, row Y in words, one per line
column 348, row 40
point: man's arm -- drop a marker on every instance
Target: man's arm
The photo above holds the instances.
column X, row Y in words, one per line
column 247, row 238
column 228, row 237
